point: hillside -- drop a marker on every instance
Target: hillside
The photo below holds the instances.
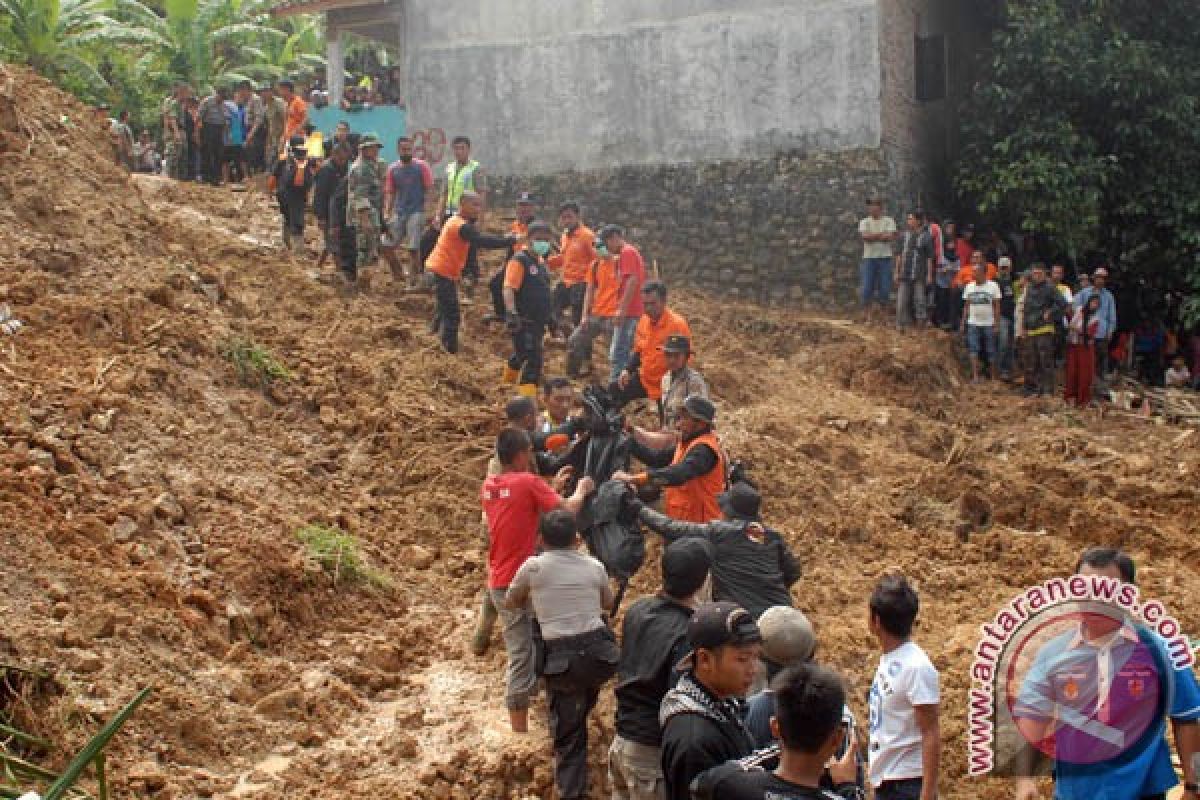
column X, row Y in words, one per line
column 151, row 499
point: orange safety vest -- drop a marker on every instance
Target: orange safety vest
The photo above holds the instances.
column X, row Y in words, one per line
column 449, row 256
column 696, row 500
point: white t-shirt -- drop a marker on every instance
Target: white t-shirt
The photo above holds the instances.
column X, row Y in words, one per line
column 881, row 225
column 905, row 678
column 979, row 302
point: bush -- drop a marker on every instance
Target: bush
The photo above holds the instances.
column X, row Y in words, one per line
column 339, row 554
column 255, row 365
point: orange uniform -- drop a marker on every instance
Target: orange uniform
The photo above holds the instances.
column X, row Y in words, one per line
column 966, row 274
column 696, row 500
column 606, row 286
column 578, row 252
column 449, row 256
column 520, row 230
column 297, row 115
column 647, row 343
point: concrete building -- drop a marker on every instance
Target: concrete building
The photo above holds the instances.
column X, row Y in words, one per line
column 737, row 139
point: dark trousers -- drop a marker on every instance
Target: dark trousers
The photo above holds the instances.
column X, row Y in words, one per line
column 575, row 669
column 347, row 251
column 1102, row 358
column 569, row 298
column 255, row 155
column 1038, row 358
column 909, row 789
column 445, row 291
column 943, row 307
column 528, row 355
column 291, row 207
column 212, row 142
column 470, row 272
column 496, row 289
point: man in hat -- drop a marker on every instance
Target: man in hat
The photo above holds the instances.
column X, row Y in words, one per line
column 1107, row 315
column 526, row 212
column 680, row 381
column 653, row 641
column 752, row 564
column 688, row 464
column 364, row 198
column 294, row 177
column 642, row 375
column 701, row 725
column 528, row 308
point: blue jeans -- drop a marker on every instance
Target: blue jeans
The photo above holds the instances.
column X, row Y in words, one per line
column 876, row 280
column 622, row 345
column 981, row 341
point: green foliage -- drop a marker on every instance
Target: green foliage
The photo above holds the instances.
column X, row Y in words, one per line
column 339, row 554
column 256, row 367
column 1087, row 129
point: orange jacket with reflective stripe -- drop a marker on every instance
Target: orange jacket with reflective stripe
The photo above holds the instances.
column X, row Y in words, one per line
column 449, row 256
column 650, row 336
column 696, row 500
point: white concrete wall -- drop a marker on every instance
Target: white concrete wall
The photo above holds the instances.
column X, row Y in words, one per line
column 543, row 86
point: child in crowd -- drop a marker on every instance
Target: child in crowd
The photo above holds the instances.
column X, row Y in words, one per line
column 1178, row 376
column 1081, row 353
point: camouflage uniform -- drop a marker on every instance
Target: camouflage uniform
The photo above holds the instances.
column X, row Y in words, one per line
column 174, row 150
column 364, row 206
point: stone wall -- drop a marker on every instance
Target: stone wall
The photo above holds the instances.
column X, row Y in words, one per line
column 780, row 231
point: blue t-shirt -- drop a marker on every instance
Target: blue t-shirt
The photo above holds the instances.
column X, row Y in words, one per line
column 407, row 182
column 235, row 131
column 1064, row 675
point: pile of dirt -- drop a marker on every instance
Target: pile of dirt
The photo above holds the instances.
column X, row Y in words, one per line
column 152, row 498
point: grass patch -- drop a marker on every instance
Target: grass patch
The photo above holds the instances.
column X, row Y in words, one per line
column 340, row 555
column 255, row 365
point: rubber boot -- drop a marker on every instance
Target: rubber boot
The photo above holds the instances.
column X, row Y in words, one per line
column 527, row 390
column 483, row 625
column 509, row 376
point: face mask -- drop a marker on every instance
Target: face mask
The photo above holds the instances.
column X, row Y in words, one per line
column 541, row 248
column 406, row 159
column 602, row 251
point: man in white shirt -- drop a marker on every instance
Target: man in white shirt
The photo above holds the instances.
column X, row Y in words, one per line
column 878, row 233
column 981, row 299
column 905, row 734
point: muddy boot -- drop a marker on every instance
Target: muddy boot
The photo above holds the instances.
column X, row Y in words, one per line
column 482, row 637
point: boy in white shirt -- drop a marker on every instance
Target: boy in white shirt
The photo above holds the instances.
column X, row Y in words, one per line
column 981, row 302
column 905, row 734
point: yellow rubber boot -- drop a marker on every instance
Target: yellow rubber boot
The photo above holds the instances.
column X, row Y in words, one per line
column 527, row 390
column 509, row 376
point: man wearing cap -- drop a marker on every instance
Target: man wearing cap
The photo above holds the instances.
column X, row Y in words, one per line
column 1004, row 325
column 294, row 177
column 631, row 271
column 691, row 472
column 702, row 726
column 364, row 198
column 569, row 593
column 449, row 258
column 1040, row 305
column 752, row 564
column 643, row 373
column 408, row 182
column 680, row 381
column 653, row 641
column 527, row 309
column 526, row 213
column 602, row 285
column 577, row 252
column 1107, row 316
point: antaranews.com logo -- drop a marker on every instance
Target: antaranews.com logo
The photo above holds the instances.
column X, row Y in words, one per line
column 1074, row 671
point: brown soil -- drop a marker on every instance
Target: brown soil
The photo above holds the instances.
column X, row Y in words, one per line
column 151, row 500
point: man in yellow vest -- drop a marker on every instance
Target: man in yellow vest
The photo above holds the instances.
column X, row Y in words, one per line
column 691, row 471
column 463, row 174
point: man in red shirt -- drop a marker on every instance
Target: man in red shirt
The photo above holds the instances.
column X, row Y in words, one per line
column 631, row 270
column 513, row 503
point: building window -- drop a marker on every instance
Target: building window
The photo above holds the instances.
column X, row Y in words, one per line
column 931, row 68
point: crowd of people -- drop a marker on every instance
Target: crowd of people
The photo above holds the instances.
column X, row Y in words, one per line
column 1025, row 325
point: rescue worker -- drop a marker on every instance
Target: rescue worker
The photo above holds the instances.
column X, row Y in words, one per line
column 691, row 471
column 526, row 212
column 464, row 174
column 642, row 376
column 449, row 258
column 527, row 309
column 577, row 252
column 364, row 207
column 680, row 381
column 602, row 285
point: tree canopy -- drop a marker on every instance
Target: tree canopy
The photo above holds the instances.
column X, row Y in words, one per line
column 1086, row 129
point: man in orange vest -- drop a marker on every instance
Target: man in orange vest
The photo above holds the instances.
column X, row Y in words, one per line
column 577, row 252
column 691, row 472
column 642, row 376
column 526, row 213
column 458, row 235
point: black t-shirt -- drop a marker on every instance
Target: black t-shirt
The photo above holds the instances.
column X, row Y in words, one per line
column 759, row 784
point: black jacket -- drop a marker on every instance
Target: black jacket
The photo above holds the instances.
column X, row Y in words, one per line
column 744, row 780
column 1040, row 299
column 698, row 461
column 752, row 565
column 653, row 640
column 328, row 178
column 699, row 733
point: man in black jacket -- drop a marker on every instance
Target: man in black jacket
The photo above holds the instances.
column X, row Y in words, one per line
column 653, row 641
column 293, row 180
column 331, row 173
column 752, row 564
column 702, row 725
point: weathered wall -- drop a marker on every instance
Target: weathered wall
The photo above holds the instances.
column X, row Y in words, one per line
column 543, row 86
column 777, row 230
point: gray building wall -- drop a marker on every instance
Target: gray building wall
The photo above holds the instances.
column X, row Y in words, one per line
column 544, row 86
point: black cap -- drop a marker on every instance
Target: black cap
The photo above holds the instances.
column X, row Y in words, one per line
column 526, row 198
column 611, row 230
column 685, row 565
column 742, row 501
column 716, row 625
column 677, row 343
column 297, row 141
column 699, row 407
